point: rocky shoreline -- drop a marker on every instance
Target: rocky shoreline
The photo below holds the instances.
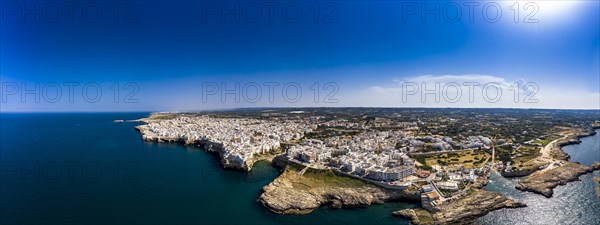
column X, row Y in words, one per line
column 472, row 206
column 229, row 159
column 212, row 147
column 544, row 183
column 466, row 210
column 520, row 173
column 300, row 190
column 557, row 151
column 410, row 214
column 296, row 192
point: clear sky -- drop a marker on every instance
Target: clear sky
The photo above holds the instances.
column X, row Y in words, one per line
column 182, row 55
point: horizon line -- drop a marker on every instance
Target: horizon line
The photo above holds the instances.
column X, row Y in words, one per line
column 300, row 107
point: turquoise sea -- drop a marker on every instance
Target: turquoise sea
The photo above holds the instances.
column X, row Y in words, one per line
column 83, row 168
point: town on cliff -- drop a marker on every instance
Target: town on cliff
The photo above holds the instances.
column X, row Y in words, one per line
column 355, row 157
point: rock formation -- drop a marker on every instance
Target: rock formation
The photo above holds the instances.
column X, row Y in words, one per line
column 472, row 206
column 545, row 182
column 408, row 214
column 465, row 210
column 297, row 193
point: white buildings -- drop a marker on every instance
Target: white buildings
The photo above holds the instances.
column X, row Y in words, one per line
column 472, row 177
column 375, row 155
column 372, row 155
column 448, row 185
column 427, row 188
column 240, row 138
column 378, row 173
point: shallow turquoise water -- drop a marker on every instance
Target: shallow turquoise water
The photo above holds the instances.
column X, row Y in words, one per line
column 82, row 168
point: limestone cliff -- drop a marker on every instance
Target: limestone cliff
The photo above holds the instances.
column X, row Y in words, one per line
column 545, row 182
column 298, row 192
column 228, row 160
column 472, row 206
column 465, row 210
column 410, row 214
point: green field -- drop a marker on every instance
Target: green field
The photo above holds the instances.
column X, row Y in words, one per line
column 314, row 178
column 467, row 158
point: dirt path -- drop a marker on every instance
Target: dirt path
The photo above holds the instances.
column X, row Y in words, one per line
column 546, row 155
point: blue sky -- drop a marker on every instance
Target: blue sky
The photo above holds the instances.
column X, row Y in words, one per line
column 173, row 50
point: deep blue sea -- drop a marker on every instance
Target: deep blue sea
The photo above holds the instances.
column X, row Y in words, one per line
column 83, row 168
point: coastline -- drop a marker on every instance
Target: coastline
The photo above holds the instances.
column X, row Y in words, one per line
column 466, row 210
column 544, row 183
column 228, row 159
column 560, row 170
column 285, row 195
column 293, row 193
column 551, row 153
column 205, row 145
column 558, row 153
column 298, row 191
column 283, row 198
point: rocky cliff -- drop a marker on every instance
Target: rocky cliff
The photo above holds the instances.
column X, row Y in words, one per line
column 545, row 182
column 298, row 192
column 465, row 210
column 410, row 214
column 520, row 173
column 472, row 206
column 558, row 153
column 228, row 160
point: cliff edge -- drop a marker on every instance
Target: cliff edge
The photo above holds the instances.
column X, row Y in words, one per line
column 465, row 210
column 545, row 182
column 299, row 191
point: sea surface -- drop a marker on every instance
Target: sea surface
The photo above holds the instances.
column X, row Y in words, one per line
column 573, row 203
column 83, row 168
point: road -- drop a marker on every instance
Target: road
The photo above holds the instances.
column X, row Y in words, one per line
column 546, row 155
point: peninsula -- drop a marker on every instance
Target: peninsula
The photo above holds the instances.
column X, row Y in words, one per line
column 466, row 210
column 238, row 141
column 544, row 182
column 300, row 191
column 557, row 170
